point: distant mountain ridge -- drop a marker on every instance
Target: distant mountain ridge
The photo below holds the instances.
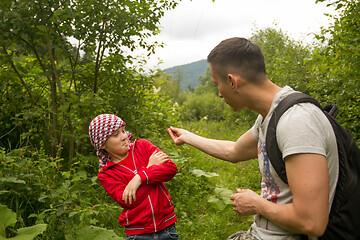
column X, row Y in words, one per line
column 190, row 73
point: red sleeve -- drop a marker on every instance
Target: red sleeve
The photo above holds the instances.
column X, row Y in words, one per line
column 155, row 173
column 115, row 188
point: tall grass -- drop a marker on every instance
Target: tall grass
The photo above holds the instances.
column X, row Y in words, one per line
column 198, row 218
column 40, row 190
column 231, row 175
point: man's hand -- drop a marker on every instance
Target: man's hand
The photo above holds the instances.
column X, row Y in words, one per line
column 244, row 202
column 177, row 135
column 129, row 194
column 158, row 158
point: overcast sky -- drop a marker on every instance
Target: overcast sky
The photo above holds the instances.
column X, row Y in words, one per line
column 194, row 28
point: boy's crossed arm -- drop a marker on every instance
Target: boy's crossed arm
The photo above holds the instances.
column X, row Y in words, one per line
column 157, row 158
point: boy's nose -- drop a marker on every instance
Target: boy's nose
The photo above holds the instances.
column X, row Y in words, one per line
column 124, row 136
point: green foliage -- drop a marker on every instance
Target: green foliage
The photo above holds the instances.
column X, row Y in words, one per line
column 336, row 64
column 69, row 201
column 8, row 219
column 40, row 191
column 190, row 73
column 203, row 103
column 285, row 59
column 201, row 190
column 204, row 106
column 51, row 87
column 328, row 71
column 93, row 233
column 220, row 199
column 66, row 62
column 168, row 85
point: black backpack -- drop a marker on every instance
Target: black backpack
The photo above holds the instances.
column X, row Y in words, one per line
column 344, row 218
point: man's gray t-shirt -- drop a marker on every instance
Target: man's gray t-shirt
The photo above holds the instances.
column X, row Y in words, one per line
column 301, row 129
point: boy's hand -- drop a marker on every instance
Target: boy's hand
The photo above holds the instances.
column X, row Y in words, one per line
column 157, row 158
column 129, row 195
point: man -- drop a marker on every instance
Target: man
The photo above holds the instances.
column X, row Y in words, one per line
column 305, row 138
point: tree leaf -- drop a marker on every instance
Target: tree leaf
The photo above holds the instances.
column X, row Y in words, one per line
column 224, row 193
column 8, row 218
column 12, row 180
column 29, row 233
column 199, row 173
column 217, row 203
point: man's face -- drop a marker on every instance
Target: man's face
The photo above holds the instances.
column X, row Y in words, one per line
column 225, row 87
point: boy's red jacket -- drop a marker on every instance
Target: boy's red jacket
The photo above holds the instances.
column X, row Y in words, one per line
column 153, row 210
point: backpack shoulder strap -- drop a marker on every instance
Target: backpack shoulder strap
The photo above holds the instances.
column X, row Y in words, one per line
column 272, row 148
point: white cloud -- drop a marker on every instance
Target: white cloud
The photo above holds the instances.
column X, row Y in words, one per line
column 195, row 27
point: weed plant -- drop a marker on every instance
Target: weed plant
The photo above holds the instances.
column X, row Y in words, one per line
column 203, row 212
column 40, row 190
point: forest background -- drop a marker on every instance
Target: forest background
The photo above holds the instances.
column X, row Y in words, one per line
column 64, row 61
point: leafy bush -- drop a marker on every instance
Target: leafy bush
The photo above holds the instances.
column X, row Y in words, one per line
column 40, row 190
column 8, row 219
column 93, row 233
column 336, row 62
column 204, row 106
column 48, row 170
column 201, row 190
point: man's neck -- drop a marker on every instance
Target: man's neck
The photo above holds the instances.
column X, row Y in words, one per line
column 262, row 97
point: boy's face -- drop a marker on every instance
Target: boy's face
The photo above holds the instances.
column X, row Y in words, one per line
column 118, row 143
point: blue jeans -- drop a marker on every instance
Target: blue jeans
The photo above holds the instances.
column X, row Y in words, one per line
column 168, row 233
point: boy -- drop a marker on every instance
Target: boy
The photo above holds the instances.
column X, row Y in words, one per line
column 133, row 174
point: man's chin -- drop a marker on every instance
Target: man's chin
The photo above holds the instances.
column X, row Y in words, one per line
column 237, row 109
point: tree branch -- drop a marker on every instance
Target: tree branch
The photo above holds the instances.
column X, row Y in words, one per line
column 100, row 52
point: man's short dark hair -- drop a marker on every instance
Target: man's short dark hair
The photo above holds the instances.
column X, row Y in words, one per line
column 238, row 55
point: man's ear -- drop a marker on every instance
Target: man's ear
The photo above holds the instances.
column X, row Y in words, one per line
column 234, row 80
column 230, row 77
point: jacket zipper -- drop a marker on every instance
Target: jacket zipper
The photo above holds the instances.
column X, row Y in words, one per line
column 153, row 214
column 133, row 154
column 165, row 194
column 133, row 157
column 127, row 219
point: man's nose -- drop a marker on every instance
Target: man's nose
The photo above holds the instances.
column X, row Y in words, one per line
column 220, row 96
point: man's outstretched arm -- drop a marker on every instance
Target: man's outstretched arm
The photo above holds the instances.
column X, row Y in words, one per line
column 244, row 148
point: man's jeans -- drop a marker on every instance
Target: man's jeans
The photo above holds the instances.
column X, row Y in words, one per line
column 168, row 233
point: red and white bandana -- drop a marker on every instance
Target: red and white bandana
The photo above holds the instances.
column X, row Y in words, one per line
column 100, row 128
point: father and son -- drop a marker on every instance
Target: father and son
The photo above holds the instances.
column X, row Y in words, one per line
column 133, row 173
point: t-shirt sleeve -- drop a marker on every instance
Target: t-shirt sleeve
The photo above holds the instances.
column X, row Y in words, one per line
column 255, row 128
column 303, row 129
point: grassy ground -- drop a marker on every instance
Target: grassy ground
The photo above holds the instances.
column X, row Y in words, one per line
column 202, row 200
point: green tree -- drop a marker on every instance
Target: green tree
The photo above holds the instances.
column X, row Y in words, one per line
column 336, row 64
column 285, row 58
column 170, row 84
column 66, row 61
